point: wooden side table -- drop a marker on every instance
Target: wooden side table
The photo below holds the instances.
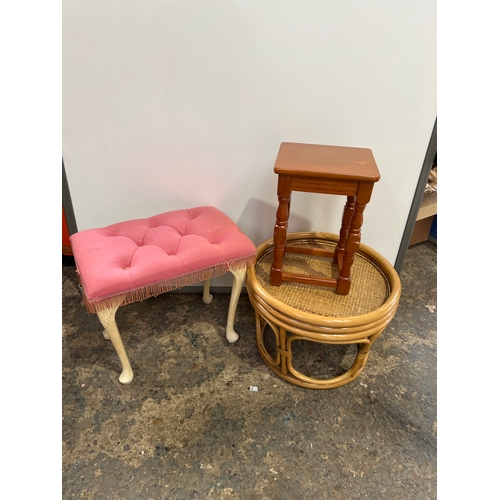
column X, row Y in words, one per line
column 338, row 170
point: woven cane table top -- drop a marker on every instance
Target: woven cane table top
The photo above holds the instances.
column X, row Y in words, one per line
column 369, row 288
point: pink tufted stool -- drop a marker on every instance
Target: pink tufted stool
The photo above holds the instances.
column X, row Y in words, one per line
column 133, row 260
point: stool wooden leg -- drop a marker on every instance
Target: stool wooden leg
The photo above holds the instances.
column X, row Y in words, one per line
column 238, row 279
column 107, row 319
column 279, row 238
column 344, row 230
column 207, row 296
column 354, row 238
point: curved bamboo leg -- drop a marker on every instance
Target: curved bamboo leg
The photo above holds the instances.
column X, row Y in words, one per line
column 238, row 278
column 107, row 319
column 207, row 296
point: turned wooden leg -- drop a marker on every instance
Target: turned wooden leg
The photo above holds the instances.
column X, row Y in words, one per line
column 207, row 296
column 354, row 238
column 107, row 319
column 238, row 279
column 344, row 230
column 279, row 237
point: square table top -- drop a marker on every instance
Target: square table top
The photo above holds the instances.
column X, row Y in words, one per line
column 335, row 162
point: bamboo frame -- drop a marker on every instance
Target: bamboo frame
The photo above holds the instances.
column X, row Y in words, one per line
column 290, row 324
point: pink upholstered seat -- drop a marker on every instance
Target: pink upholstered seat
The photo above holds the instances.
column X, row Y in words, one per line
column 141, row 258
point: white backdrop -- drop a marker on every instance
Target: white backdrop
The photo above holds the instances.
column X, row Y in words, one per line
column 175, row 104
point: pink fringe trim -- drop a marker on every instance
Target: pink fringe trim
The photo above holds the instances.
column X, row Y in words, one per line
column 154, row 289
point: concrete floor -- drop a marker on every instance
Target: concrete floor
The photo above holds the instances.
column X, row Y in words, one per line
column 188, row 427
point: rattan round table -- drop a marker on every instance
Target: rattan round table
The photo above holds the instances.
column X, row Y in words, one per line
column 294, row 312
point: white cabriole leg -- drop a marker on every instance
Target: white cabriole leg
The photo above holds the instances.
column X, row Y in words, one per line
column 207, row 296
column 111, row 332
column 238, row 278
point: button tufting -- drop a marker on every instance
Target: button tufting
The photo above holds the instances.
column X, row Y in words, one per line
column 171, row 250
